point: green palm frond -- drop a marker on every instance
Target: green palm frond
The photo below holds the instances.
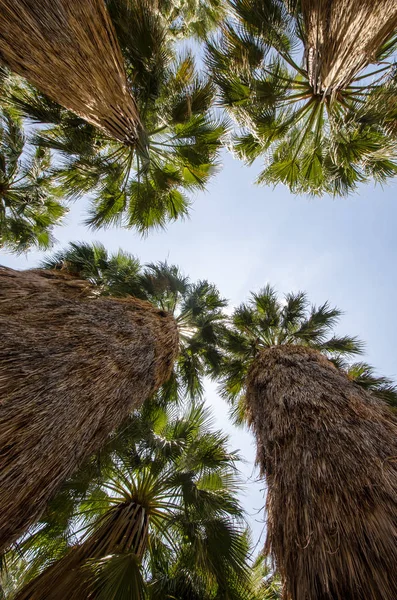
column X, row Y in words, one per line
column 365, row 376
column 29, row 200
column 117, row 576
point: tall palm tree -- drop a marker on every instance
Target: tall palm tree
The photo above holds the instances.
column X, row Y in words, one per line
column 197, row 307
column 325, row 444
column 320, row 126
column 168, row 494
column 73, row 365
column 29, row 204
column 69, row 50
column 148, row 183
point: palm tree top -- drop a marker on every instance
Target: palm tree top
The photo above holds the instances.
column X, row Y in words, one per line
column 196, row 306
column 148, row 183
column 266, row 320
column 315, row 140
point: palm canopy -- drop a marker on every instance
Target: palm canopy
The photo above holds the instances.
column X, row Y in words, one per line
column 193, row 18
column 162, row 491
column 148, row 183
column 314, row 140
column 196, row 306
column 266, row 321
column 29, row 203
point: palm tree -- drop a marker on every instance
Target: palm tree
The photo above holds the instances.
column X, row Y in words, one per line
column 166, row 496
column 69, row 51
column 325, row 445
column 29, row 205
column 73, row 365
column 148, row 183
column 197, row 307
column 311, row 90
column 342, row 37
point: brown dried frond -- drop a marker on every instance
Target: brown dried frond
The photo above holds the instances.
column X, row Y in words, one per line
column 72, row 366
column 328, row 450
column 68, row 49
column 342, row 38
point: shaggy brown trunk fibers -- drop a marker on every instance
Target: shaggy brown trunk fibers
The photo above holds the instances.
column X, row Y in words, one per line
column 68, row 49
column 342, row 38
column 328, row 450
column 72, row 366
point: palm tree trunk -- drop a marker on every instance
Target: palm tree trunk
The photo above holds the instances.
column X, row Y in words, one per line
column 328, row 450
column 72, row 367
column 342, row 38
column 68, row 50
column 124, row 529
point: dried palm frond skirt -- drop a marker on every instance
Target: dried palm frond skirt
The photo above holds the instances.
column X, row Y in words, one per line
column 68, row 49
column 328, row 450
column 343, row 37
column 72, row 366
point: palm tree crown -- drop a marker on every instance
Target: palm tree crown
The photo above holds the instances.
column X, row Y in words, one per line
column 196, row 306
column 314, row 140
column 162, row 489
column 146, row 183
column 29, row 204
column 266, row 321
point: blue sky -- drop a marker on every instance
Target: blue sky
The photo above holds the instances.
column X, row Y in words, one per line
column 241, row 236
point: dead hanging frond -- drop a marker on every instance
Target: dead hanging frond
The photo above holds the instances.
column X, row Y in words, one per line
column 328, row 450
column 68, row 49
column 343, row 37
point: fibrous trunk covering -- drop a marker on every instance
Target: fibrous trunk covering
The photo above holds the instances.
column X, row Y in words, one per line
column 124, row 529
column 342, row 37
column 68, row 50
column 72, row 366
column 328, row 450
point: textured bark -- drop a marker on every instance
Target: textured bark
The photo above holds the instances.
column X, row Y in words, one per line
column 72, row 366
column 68, row 49
column 328, row 450
column 342, row 37
column 124, row 529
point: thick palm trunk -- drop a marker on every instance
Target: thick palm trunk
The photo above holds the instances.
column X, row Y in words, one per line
column 342, row 37
column 68, row 50
column 124, row 529
column 328, row 450
column 72, row 366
